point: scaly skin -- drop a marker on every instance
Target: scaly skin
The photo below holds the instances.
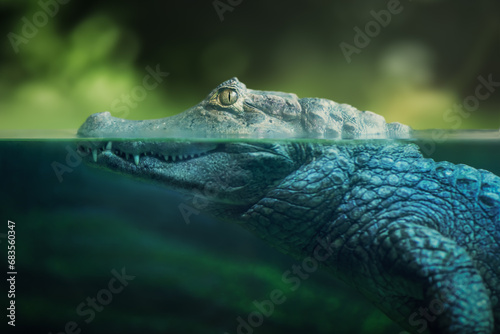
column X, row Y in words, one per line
column 420, row 239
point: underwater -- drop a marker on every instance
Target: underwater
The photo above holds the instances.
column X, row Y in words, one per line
column 100, row 252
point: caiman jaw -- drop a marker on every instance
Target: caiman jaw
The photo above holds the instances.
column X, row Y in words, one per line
column 132, row 152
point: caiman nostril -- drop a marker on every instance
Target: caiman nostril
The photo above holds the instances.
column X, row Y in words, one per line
column 105, row 114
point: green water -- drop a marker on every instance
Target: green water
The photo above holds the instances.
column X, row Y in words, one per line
column 189, row 278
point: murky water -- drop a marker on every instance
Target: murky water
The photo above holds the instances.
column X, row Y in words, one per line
column 103, row 253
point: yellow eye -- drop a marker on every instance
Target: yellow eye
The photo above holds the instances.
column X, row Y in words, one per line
column 228, row 96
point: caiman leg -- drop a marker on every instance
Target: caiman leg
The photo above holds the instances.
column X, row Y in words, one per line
column 431, row 276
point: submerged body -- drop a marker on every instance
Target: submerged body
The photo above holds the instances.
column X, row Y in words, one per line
column 420, row 239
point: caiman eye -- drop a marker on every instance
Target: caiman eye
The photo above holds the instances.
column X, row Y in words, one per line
column 228, row 96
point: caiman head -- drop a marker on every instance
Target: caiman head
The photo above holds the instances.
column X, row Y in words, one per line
column 235, row 173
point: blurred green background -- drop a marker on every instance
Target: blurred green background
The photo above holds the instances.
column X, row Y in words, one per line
column 90, row 55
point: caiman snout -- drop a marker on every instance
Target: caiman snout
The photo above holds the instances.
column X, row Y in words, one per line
column 104, row 125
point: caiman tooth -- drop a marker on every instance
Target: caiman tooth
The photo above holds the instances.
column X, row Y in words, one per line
column 109, row 146
column 94, row 154
column 136, row 159
column 126, row 156
column 174, row 157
